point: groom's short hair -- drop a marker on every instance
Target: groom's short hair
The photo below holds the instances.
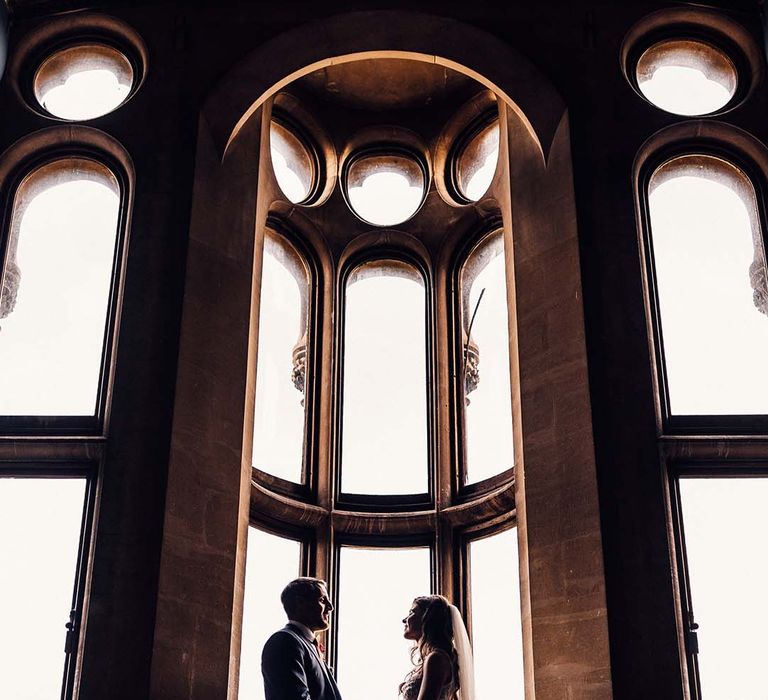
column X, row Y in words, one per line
column 301, row 589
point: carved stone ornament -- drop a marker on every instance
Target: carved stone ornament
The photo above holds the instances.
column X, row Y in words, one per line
column 471, row 369
column 759, row 281
column 299, row 372
column 11, row 281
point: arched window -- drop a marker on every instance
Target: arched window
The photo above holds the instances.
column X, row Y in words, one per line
column 485, row 375
column 61, row 254
column 383, row 497
column 281, row 390
column 384, row 433
column 706, row 244
column 58, row 292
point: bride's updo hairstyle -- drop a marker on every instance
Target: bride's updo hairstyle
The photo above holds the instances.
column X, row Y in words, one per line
column 436, row 635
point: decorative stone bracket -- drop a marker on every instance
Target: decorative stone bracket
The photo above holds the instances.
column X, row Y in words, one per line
column 10, row 289
column 758, row 278
column 471, row 369
column 299, row 372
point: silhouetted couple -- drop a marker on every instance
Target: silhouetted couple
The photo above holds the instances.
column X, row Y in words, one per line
column 293, row 662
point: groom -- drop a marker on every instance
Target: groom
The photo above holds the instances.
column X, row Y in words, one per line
column 292, row 661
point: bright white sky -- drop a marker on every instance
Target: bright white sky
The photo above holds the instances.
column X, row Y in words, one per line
column 488, row 417
column 683, row 90
column 385, row 198
column 384, row 433
column 278, row 428
column 497, row 628
column 39, row 533
column 726, row 521
column 290, row 183
column 54, row 337
column 85, row 95
column 479, row 181
column 271, row 562
column 376, row 590
column 715, row 339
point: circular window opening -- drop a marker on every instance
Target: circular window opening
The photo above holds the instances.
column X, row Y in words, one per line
column 385, row 188
column 686, row 77
column 292, row 163
column 476, row 162
column 83, row 81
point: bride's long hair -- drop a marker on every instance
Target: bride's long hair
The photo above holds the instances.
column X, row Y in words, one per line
column 436, row 635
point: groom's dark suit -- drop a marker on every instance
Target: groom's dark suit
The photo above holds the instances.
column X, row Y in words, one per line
column 293, row 670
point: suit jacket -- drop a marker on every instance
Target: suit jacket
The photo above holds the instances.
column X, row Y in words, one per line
column 293, row 670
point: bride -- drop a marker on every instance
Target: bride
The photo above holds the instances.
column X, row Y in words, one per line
column 442, row 655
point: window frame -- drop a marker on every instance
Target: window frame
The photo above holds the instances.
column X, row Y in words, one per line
column 703, row 29
column 89, row 472
column 306, row 537
column 284, row 119
column 384, row 503
column 473, row 129
column 307, row 490
column 345, row 539
column 678, row 469
column 384, row 148
column 705, row 425
column 462, row 491
column 95, row 425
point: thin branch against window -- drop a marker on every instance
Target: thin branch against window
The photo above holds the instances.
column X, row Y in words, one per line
column 488, row 438
column 281, row 381
column 711, row 282
column 384, row 421
column 57, row 278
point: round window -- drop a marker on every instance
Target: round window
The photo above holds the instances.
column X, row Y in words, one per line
column 385, row 189
column 83, row 81
column 476, row 162
column 686, row 76
column 292, row 163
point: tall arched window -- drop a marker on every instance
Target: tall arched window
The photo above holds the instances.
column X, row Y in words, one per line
column 61, row 254
column 58, row 292
column 708, row 296
column 711, row 293
column 281, row 391
column 381, row 518
column 485, row 375
column 384, row 426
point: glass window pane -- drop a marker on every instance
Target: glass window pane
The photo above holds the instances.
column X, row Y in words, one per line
column 278, row 430
column 686, row 77
column 712, row 291
column 372, row 605
column 725, row 522
column 83, row 82
column 291, row 162
column 56, row 289
column 40, row 523
column 497, row 632
column 384, row 438
column 271, row 562
column 488, row 404
column 476, row 164
column 385, row 189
